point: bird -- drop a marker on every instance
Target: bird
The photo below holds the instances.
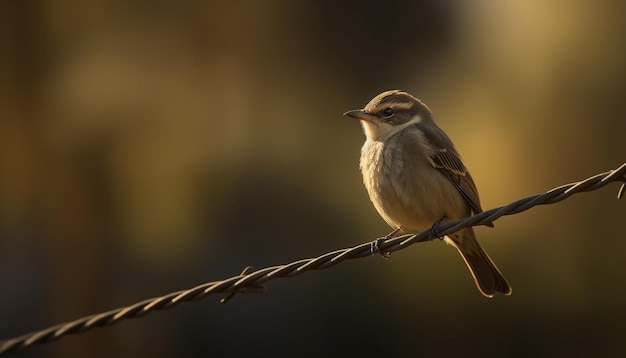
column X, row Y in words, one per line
column 416, row 179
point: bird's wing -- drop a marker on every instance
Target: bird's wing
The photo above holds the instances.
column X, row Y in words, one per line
column 444, row 157
column 449, row 163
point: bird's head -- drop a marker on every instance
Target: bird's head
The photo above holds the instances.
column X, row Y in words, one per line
column 390, row 112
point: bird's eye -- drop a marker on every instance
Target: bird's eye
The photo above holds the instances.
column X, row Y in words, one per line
column 388, row 112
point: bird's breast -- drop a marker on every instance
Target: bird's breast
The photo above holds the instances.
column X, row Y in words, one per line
column 407, row 191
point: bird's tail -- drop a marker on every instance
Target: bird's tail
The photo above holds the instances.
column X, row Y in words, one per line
column 488, row 278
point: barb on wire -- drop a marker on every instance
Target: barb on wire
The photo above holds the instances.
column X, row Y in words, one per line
column 250, row 281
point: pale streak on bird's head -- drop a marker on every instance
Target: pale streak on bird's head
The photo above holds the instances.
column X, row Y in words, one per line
column 392, row 111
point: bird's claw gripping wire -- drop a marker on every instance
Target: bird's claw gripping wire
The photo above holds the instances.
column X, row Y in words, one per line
column 255, row 288
column 435, row 231
column 375, row 247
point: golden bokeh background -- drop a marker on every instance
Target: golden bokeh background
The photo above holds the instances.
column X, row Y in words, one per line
column 147, row 147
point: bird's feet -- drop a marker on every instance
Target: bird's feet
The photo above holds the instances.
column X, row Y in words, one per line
column 375, row 247
column 434, row 232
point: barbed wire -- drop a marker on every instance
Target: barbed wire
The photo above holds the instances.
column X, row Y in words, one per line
column 250, row 281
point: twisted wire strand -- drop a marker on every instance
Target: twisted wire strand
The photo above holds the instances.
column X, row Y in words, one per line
column 250, row 281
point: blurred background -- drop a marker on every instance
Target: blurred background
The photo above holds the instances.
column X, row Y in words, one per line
column 147, row 147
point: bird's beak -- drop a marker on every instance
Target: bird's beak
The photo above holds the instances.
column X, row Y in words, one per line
column 360, row 114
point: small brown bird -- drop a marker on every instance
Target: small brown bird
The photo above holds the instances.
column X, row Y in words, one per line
column 415, row 177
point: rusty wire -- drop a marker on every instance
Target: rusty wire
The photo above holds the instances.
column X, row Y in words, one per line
column 250, row 281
